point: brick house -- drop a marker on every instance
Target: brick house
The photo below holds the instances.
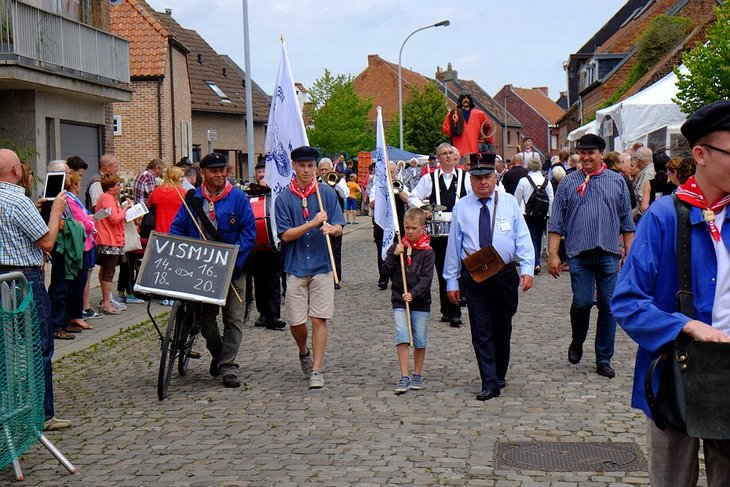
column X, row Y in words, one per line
column 218, row 101
column 158, row 120
column 55, row 91
column 611, row 62
column 537, row 113
column 507, row 135
column 379, row 82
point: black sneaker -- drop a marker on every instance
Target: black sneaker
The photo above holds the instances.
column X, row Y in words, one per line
column 214, row 368
column 231, row 381
column 261, row 322
column 275, row 324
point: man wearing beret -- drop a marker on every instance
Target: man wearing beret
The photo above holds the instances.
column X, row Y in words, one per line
column 645, row 299
column 482, row 218
column 227, row 212
column 592, row 207
column 302, row 225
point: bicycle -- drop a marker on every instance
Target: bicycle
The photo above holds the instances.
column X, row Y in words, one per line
column 177, row 343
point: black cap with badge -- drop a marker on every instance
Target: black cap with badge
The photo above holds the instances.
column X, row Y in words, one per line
column 214, row 159
column 304, row 153
column 710, row 118
column 591, row 141
column 482, row 163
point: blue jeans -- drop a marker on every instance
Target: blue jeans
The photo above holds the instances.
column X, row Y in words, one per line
column 43, row 310
column 594, row 270
column 536, row 226
column 419, row 327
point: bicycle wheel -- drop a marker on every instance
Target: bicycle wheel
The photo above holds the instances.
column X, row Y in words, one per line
column 187, row 339
column 170, row 349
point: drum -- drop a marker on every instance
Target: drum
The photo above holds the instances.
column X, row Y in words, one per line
column 439, row 224
column 261, row 206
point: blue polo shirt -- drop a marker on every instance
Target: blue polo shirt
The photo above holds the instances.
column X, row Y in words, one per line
column 307, row 255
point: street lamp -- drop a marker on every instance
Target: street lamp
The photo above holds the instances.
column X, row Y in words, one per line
column 443, row 23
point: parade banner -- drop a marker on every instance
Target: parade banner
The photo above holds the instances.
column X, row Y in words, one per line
column 285, row 132
column 385, row 214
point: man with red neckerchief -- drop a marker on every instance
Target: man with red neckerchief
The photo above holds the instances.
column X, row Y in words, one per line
column 229, row 212
column 645, row 299
column 592, row 207
column 302, row 226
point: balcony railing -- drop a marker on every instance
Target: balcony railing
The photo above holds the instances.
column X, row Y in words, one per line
column 31, row 36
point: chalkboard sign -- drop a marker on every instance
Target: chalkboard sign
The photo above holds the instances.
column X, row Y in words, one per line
column 187, row 268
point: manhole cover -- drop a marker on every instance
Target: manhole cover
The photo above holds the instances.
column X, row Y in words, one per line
column 570, row 457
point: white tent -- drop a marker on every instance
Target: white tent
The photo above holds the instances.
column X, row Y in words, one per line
column 589, row 128
column 641, row 113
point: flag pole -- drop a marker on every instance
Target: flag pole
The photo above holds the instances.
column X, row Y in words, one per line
column 327, row 236
column 391, row 201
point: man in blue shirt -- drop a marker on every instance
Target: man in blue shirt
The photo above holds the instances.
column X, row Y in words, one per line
column 228, row 210
column 491, row 303
column 302, row 225
column 591, row 209
column 645, row 299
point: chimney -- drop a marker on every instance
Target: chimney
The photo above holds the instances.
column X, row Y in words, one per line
column 450, row 74
column 543, row 90
column 373, row 59
column 168, row 11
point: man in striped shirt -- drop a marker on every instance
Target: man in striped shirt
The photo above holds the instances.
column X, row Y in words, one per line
column 591, row 209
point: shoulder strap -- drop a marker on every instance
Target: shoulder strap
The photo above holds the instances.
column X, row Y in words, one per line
column 544, row 183
column 685, row 299
column 197, row 205
column 532, row 183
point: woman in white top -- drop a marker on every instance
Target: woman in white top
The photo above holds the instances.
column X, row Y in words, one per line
column 535, row 222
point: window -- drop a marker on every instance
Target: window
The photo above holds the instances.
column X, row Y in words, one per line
column 186, row 138
column 117, row 124
column 553, row 142
column 217, row 90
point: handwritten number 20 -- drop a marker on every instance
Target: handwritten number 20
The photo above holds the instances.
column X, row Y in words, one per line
column 204, row 285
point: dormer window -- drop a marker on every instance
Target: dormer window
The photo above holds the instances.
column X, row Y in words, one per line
column 217, row 90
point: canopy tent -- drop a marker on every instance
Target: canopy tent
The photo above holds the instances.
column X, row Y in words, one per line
column 641, row 113
column 396, row 154
column 589, row 128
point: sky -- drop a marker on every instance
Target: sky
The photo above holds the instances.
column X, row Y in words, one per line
column 493, row 42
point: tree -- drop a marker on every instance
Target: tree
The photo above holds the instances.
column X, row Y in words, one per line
column 708, row 79
column 339, row 116
column 423, row 115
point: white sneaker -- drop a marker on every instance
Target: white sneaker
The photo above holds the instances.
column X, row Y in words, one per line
column 316, row 381
column 117, row 303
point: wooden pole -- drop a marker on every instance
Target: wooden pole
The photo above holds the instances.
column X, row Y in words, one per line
column 327, row 237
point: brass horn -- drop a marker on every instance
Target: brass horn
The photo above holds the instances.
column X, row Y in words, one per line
column 487, row 130
column 332, row 178
column 398, row 186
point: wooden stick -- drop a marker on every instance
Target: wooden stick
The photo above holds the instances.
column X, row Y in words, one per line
column 202, row 234
column 405, row 290
column 327, row 236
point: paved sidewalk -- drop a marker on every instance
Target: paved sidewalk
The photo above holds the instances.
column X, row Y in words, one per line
column 273, row 431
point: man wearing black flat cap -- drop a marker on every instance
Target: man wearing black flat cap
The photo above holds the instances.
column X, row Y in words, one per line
column 592, row 207
column 302, row 224
column 645, row 299
column 482, row 218
column 224, row 213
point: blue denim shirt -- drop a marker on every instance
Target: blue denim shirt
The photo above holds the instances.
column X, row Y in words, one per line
column 307, row 255
column 644, row 299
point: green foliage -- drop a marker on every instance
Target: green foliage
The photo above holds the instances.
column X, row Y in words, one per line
column 708, row 79
column 339, row 116
column 423, row 115
column 25, row 154
column 663, row 34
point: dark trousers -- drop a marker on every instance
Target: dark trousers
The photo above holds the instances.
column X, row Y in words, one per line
column 378, row 237
column 58, row 291
column 337, row 253
column 75, row 299
column 536, row 226
column 439, row 249
column 491, row 305
column 267, row 270
column 128, row 272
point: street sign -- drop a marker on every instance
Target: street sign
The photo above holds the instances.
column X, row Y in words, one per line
column 212, row 135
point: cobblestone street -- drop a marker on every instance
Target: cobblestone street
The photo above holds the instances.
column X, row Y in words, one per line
column 273, row 431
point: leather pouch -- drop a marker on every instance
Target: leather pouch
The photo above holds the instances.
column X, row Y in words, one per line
column 483, row 264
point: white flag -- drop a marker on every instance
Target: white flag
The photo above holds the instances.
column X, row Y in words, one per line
column 385, row 214
column 284, row 133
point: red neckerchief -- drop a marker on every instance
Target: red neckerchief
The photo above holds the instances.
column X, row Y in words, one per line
column 303, row 194
column 213, row 199
column 582, row 188
column 690, row 193
column 421, row 244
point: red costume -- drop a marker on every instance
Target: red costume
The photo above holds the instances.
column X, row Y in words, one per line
column 470, row 137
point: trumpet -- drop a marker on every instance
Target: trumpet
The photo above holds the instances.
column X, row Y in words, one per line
column 398, row 186
column 332, row 178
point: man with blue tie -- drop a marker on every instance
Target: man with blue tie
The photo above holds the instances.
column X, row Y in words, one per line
column 482, row 218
